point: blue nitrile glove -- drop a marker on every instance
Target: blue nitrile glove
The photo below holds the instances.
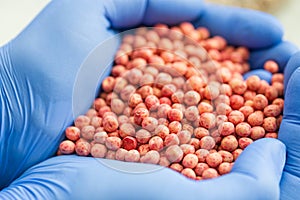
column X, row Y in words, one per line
column 38, row 73
column 290, row 129
column 255, row 175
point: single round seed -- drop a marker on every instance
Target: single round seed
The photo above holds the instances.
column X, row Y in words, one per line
column 226, row 156
column 132, row 156
column 224, row 168
column 207, row 120
column 174, row 153
column 207, row 142
column 191, row 98
column 129, row 143
column 229, row 143
column 260, row 102
column 214, row 159
column 156, row 143
column 82, row 121
column 82, row 148
column 226, row 128
column 87, row 132
column 98, row 151
column 175, row 115
column 236, row 153
column 151, row 157
column 191, row 113
column 210, row 173
column 67, row 147
column 100, row 137
column 120, row 154
column 244, row 142
column 243, row 129
column 72, row 133
column 127, row 129
column 175, row 127
column 236, row 101
column 171, row 139
column 270, row 124
column 236, row 117
column 149, row 123
column 177, row 167
column 271, row 66
column 201, row 154
column 162, row 131
column 113, row 143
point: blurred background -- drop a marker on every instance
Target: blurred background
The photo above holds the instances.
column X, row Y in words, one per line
column 16, row 14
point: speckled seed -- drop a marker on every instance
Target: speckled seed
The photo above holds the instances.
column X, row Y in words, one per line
column 100, row 137
column 191, row 113
column 129, row 143
column 226, row 156
column 200, row 132
column 246, row 110
column 151, row 157
column 177, row 167
column 236, row 101
column 195, row 142
column 210, row 173
column 143, row 136
column 270, row 124
column 236, row 153
column 260, row 102
column 113, row 143
column 110, row 123
column 188, row 172
column 149, row 123
column 243, row 129
column 229, row 143
column 127, row 129
column 132, row 156
column 67, row 147
column 156, row 143
column 224, row 168
column 190, row 161
column 174, row 153
column 207, row 142
column 184, row 136
column 175, row 127
column 200, row 167
column 214, row 159
column 236, row 117
column 207, row 120
column 82, row 121
column 272, row 110
column 244, row 142
column 187, row 149
column 256, row 118
column 171, row 139
column 201, row 154
column 87, row 132
column 82, row 148
column 226, row 128
column 72, row 133
column 162, row 131
column 191, row 98
column 253, row 82
column 98, row 151
column 120, row 154
column 175, row 115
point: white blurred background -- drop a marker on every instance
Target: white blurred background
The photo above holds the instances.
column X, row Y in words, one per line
column 16, row 14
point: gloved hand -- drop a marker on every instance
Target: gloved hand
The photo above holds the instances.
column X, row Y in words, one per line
column 38, row 72
column 289, row 130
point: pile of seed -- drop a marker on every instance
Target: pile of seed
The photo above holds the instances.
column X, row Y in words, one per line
column 176, row 97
